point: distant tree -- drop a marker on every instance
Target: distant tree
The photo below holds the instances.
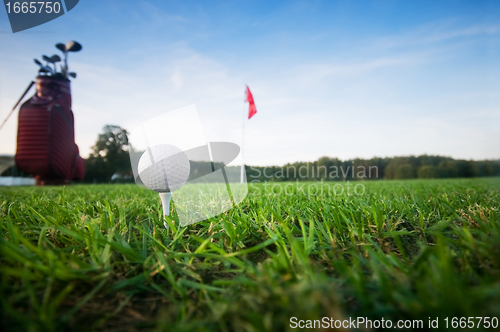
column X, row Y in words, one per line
column 109, row 155
column 404, row 171
column 466, row 168
column 390, row 170
column 399, row 168
column 447, row 169
column 428, row 172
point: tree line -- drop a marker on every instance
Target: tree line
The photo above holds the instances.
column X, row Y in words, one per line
column 405, row 167
column 109, row 161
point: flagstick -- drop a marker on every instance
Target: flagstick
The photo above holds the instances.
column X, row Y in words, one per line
column 243, row 144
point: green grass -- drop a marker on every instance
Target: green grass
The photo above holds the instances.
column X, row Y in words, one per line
column 89, row 257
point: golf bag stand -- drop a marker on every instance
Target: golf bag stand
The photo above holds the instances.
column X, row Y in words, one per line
column 46, row 135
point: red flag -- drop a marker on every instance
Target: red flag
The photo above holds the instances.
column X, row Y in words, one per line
column 252, row 110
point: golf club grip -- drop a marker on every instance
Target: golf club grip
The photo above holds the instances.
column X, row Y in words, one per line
column 13, row 109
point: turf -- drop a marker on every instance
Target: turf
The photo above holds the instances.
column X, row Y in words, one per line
column 97, row 257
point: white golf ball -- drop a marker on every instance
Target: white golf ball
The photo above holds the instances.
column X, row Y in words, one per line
column 164, row 168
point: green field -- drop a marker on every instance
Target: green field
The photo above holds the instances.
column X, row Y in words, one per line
column 90, row 257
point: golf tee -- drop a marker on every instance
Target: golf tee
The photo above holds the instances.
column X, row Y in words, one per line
column 165, row 201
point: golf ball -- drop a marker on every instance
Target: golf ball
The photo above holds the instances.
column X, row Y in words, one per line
column 164, row 168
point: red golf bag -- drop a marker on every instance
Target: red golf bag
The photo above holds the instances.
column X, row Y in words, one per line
column 46, row 134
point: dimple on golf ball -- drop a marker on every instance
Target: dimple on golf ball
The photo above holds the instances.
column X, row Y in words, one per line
column 164, row 168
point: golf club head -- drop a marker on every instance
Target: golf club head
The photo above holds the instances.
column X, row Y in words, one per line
column 45, row 58
column 72, row 74
column 73, row 46
column 61, row 47
column 55, row 58
column 45, row 68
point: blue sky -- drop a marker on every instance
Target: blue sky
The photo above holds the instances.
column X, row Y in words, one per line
column 343, row 79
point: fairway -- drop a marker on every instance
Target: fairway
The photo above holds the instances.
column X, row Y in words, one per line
column 88, row 257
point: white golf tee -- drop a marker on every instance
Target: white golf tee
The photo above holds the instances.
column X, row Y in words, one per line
column 165, row 201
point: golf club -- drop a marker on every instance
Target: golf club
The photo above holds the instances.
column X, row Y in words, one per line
column 71, row 46
column 45, row 68
column 72, row 74
column 54, row 59
column 61, row 47
column 47, row 61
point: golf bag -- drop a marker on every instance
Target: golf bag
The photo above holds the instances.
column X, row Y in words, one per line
column 46, row 136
